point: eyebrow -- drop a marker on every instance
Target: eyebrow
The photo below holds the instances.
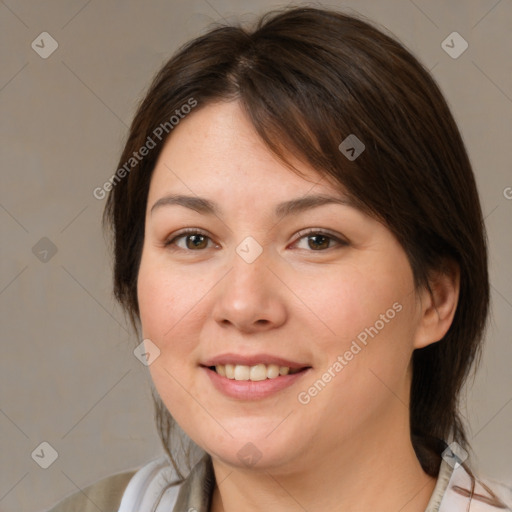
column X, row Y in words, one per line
column 287, row 208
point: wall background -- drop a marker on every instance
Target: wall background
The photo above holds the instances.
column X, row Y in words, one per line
column 68, row 375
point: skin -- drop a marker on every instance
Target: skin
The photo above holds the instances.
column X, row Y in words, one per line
column 349, row 447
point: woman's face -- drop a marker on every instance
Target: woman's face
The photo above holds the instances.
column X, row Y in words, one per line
column 272, row 276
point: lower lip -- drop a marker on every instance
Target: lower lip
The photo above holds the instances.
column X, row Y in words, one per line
column 252, row 390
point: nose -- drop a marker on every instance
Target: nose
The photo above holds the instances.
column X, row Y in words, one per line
column 250, row 298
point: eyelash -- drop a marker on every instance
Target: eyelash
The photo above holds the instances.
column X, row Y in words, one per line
column 300, row 235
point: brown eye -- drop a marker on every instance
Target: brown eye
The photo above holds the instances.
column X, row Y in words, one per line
column 189, row 241
column 318, row 241
column 196, row 241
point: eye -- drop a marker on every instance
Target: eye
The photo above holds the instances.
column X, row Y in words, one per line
column 195, row 240
column 318, row 240
column 190, row 240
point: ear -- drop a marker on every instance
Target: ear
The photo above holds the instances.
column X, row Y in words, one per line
column 438, row 305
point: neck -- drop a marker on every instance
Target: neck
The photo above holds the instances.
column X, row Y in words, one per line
column 373, row 470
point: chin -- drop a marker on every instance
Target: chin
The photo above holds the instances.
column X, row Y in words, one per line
column 257, row 454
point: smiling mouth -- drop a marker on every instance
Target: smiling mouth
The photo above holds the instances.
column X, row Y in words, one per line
column 258, row 372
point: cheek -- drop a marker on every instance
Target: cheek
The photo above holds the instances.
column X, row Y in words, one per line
column 171, row 312
column 370, row 312
column 357, row 299
column 156, row 298
column 164, row 297
column 165, row 311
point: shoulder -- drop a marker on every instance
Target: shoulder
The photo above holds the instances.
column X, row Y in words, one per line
column 105, row 495
column 481, row 494
column 157, row 487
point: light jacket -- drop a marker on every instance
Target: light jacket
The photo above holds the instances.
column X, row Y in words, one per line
column 155, row 487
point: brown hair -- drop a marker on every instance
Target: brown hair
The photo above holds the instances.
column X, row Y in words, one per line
column 308, row 78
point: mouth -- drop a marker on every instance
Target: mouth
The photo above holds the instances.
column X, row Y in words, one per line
column 255, row 368
column 253, row 377
column 254, row 373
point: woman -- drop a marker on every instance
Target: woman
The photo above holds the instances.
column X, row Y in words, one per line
column 298, row 240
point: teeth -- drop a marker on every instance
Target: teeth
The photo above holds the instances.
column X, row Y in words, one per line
column 272, row 371
column 242, row 372
column 258, row 372
column 230, row 371
column 253, row 373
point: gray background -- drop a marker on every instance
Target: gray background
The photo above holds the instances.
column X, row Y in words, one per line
column 68, row 375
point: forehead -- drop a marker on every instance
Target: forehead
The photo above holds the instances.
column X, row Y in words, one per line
column 217, row 150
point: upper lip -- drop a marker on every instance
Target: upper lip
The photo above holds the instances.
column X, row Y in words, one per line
column 253, row 360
